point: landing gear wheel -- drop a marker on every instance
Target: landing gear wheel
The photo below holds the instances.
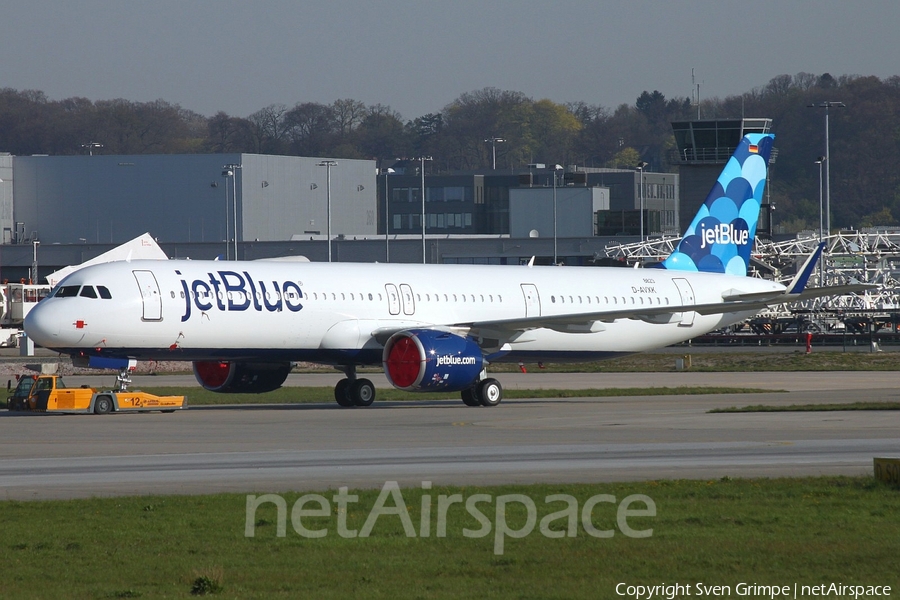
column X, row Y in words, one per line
column 342, row 393
column 102, row 405
column 362, row 392
column 489, row 392
column 469, row 397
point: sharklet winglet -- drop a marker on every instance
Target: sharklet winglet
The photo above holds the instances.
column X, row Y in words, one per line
column 798, row 284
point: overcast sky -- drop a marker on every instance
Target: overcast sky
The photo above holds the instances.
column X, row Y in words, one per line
column 417, row 57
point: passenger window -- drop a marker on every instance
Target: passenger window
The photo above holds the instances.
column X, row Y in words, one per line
column 88, row 291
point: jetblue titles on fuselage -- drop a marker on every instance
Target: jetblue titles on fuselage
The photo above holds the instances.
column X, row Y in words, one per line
column 232, row 291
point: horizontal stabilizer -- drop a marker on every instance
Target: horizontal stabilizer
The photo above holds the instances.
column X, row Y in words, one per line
column 734, row 295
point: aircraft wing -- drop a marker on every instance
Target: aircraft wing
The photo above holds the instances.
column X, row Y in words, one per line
column 499, row 331
column 591, row 322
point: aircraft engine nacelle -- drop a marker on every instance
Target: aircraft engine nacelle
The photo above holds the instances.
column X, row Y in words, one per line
column 425, row 360
column 229, row 377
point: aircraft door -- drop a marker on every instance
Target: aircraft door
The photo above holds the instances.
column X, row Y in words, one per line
column 150, row 296
column 409, row 303
column 687, row 297
column 393, row 297
column 532, row 300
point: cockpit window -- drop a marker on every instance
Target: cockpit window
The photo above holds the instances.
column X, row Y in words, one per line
column 67, row 291
column 88, row 291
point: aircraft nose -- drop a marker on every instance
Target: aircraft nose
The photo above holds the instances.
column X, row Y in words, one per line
column 42, row 325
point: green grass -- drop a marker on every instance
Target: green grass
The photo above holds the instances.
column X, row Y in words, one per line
column 776, row 531
column 197, row 396
column 811, row 407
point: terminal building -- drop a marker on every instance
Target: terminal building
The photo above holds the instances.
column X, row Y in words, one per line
column 589, row 202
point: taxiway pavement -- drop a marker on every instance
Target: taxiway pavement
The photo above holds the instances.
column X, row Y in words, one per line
column 275, row 448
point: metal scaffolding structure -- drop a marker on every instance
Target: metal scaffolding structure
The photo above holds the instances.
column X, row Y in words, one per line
column 866, row 256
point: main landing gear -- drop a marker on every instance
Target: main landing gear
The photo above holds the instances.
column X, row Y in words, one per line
column 486, row 392
column 351, row 391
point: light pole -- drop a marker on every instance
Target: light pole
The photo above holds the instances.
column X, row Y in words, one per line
column 227, row 218
column 640, row 167
column 555, row 169
column 34, row 261
column 828, row 104
column 494, row 140
column 230, row 170
column 820, row 161
column 664, row 220
column 387, row 217
column 328, row 164
column 422, row 160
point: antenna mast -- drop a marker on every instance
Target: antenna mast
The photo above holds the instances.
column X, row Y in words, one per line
column 695, row 93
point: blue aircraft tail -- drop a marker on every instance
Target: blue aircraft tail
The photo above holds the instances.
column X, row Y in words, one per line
column 721, row 235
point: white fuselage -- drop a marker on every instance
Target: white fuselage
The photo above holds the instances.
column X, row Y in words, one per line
column 330, row 312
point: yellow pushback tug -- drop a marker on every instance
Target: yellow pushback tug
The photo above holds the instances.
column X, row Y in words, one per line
column 47, row 393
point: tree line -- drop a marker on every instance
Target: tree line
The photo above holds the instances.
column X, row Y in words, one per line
column 865, row 136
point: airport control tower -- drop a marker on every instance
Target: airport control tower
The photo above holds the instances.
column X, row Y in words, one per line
column 702, row 148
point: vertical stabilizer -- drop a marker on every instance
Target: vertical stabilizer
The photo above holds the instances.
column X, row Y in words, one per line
column 720, row 238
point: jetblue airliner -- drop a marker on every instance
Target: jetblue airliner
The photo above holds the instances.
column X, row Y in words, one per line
column 432, row 327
